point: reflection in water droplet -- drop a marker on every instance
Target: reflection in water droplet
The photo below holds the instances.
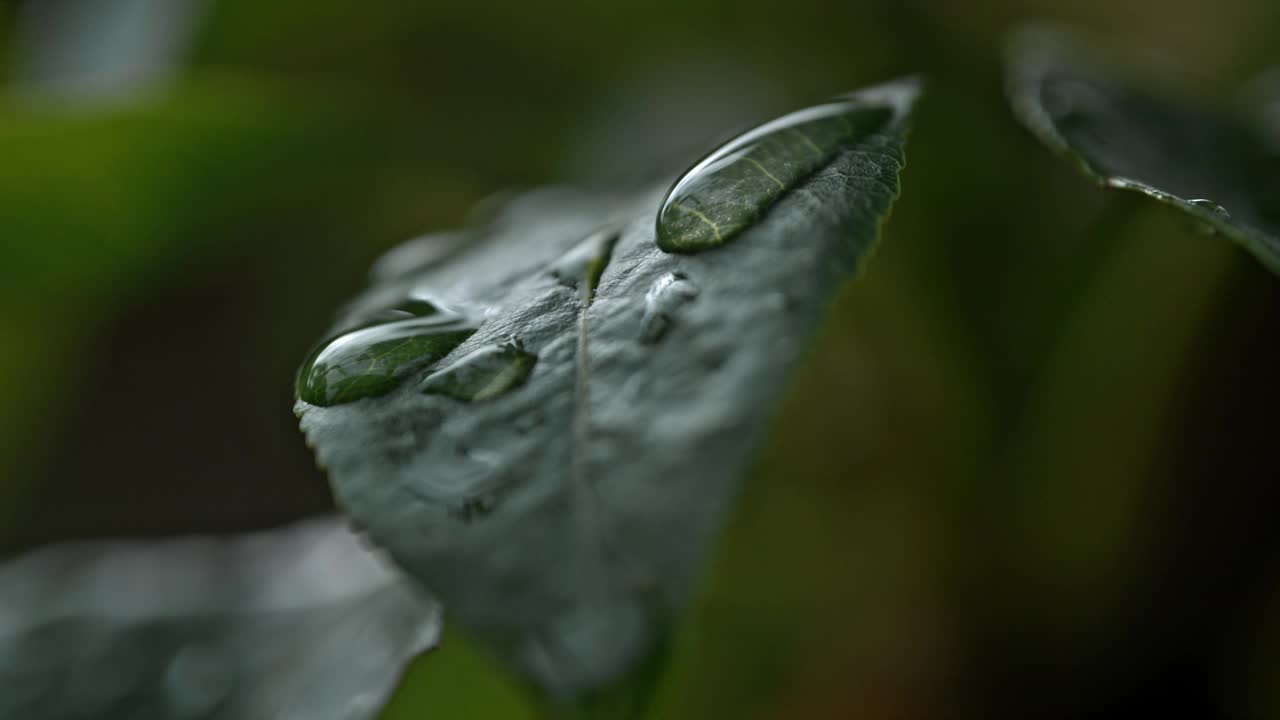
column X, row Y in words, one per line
column 733, row 186
column 583, row 265
column 371, row 360
column 1211, row 206
column 665, row 295
column 199, row 678
column 483, row 374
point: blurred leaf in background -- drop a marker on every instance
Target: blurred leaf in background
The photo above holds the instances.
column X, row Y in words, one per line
column 296, row 622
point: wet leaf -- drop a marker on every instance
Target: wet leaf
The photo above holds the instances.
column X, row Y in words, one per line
column 1220, row 167
column 730, row 189
column 301, row 622
column 564, row 521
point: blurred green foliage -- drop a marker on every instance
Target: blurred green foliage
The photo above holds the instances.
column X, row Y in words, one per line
column 1027, row 468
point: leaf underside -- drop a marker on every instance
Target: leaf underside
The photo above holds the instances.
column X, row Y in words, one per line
column 563, row 523
column 1221, row 168
column 302, row 622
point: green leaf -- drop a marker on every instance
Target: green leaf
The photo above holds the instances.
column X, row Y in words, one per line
column 301, row 622
column 732, row 187
column 1221, row 168
column 563, row 521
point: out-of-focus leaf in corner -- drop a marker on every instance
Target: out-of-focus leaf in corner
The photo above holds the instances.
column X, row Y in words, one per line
column 301, row 622
column 87, row 50
column 1217, row 166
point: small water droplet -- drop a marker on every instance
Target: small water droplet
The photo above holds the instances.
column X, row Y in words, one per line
column 483, row 374
column 583, row 265
column 1211, row 206
column 199, row 679
column 732, row 187
column 372, row 359
column 667, row 293
column 476, row 507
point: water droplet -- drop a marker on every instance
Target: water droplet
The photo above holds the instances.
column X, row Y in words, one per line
column 667, row 293
column 372, row 359
column 475, row 507
column 410, row 307
column 732, row 187
column 1211, row 206
column 583, row 265
column 483, row 374
column 199, row 679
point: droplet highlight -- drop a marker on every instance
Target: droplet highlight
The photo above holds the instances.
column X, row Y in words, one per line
column 1211, row 206
column 374, row 358
column 730, row 189
column 486, row 373
column 664, row 296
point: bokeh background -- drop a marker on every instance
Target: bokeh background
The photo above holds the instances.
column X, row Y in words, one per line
column 1028, row 468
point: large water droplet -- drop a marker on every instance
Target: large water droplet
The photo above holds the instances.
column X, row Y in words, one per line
column 1211, row 206
column 732, row 187
column 483, row 374
column 667, row 293
column 583, row 265
column 374, row 358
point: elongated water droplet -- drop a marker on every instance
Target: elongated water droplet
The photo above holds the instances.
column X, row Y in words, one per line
column 483, row 374
column 374, row 358
column 667, row 293
column 583, row 265
column 732, row 187
column 410, row 307
column 1211, row 206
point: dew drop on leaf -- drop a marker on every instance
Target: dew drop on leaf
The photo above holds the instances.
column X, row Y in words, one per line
column 374, row 358
column 483, row 374
column 1211, row 206
column 732, row 187
column 582, row 266
column 665, row 295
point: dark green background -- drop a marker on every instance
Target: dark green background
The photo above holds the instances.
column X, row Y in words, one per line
column 1027, row 470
